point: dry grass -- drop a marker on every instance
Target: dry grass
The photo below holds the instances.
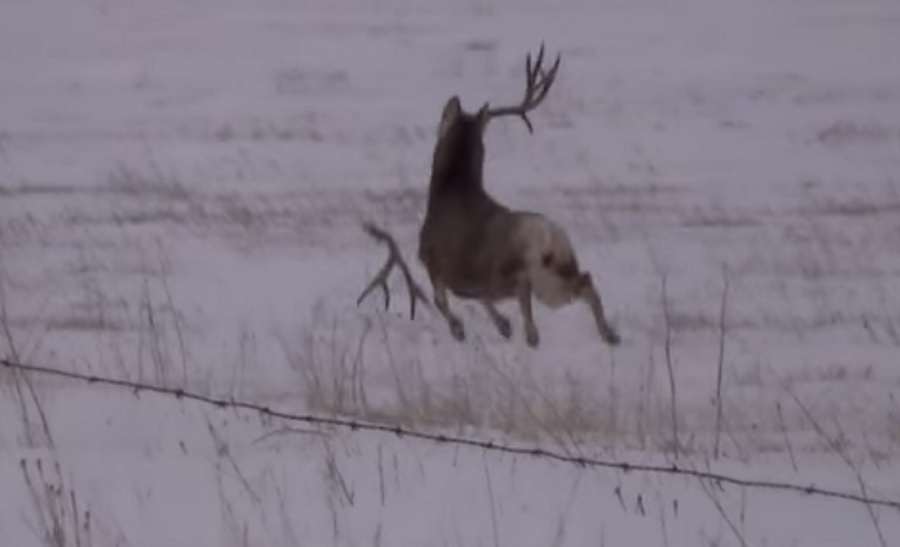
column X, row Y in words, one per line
column 385, row 371
column 60, row 520
column 366, row 373
column 844, row 133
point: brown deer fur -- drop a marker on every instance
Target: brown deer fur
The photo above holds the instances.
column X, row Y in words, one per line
column 479, row 249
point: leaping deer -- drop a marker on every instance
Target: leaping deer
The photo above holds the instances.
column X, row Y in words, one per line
column 479, row 249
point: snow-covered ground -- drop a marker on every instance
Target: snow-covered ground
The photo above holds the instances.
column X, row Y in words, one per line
column 181, row 188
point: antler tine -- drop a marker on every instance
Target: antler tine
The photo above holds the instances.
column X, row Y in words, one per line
column 547, row 78
column 394, row 259
column 529, row 73
column 537, row 85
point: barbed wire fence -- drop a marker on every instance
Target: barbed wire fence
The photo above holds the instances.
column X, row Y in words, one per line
column 470, row 442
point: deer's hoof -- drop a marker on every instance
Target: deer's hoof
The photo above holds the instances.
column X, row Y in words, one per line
column 533, row 338
column 456, row 329
column 612, row 338
column 504, row 327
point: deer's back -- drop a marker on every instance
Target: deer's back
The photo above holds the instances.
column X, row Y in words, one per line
column 479, row 249
column 461, row 242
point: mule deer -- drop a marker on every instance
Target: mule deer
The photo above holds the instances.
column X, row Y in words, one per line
column 479, row 249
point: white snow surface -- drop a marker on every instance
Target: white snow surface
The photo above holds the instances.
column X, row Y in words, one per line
column 182, row 184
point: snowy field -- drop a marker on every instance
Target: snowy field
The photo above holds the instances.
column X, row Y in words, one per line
column 182, row 184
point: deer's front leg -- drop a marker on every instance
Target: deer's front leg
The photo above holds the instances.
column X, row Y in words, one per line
column 500, row 321
column 440, row 302
column 531, row 332
column 592, row 298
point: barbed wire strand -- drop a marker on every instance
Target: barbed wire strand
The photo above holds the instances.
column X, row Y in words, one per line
column 399, row 431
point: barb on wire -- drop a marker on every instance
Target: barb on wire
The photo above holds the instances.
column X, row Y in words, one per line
column 356, row 425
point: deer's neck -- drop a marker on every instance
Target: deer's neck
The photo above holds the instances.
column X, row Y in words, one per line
column 462, row 182
column 465, row 175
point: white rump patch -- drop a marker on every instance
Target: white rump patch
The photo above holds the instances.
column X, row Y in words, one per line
column 541, row 237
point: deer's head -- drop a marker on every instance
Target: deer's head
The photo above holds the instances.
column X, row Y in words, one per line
column 458, row 159
column 459, row 150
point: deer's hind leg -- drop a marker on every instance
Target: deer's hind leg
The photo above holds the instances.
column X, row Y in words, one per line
column 591, row 297
column 500, row 321
column 559, row 281
column 524, row 297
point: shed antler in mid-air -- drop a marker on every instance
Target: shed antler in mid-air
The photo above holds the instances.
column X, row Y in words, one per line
column 479, row 249
column 395, row 258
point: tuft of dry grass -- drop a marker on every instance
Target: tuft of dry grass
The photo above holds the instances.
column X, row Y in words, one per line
column 373, row 368
column 153, row 181
column 845, row 133
column 365, row 372
column 60, row 520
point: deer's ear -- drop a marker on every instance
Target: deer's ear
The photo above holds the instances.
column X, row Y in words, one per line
column 452, row 111
column 482, row 115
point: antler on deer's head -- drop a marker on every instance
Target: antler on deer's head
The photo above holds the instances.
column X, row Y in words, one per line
column 537, row 84
column 394, row 259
